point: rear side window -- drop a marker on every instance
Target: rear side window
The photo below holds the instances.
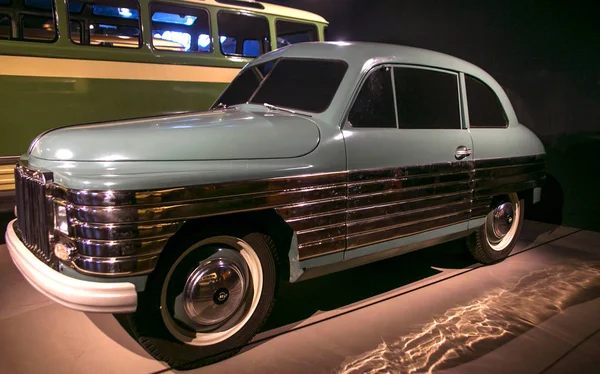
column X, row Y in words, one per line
column 485, row 109
column 243, row 34
column 426, row 99
column 179, row 28
column 106, row 23
column 374, row 105
column 289, row 32
column 34, row 20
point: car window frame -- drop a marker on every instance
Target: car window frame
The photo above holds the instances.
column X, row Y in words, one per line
column 392, row 65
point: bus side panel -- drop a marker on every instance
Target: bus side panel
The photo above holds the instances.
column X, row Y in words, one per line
column 31, row 105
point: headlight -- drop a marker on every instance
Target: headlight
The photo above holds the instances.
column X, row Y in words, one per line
column 61, row 222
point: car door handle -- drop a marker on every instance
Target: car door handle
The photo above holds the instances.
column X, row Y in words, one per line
column 462, row 152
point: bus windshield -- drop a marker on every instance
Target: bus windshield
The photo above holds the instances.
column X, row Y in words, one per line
column 304, row 84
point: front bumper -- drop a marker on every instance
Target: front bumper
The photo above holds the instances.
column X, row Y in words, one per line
column 73, row 293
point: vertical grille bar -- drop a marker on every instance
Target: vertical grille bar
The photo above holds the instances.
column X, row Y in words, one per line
column 32, row 211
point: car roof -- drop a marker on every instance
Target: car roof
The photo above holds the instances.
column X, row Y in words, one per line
column 367, row 54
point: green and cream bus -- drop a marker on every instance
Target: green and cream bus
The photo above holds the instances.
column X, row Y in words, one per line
column 65, row 62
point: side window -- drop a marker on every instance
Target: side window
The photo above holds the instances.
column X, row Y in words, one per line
column 243, row 34
column 485, row 109
column 31, row 20
column 426, row 99
column 5, row 26
column 108, row 23
column 374, row 105
column 179, row 28
column 289, row 32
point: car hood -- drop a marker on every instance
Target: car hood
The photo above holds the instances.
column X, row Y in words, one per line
column 218, row 135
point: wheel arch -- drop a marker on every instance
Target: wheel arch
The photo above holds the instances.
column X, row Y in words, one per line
column 266, row 221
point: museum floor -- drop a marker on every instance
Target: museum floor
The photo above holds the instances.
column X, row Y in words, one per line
column 536, row 312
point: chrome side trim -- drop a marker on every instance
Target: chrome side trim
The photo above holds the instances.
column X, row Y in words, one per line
column 192, row 193
column 394, row 232
column 118, row 233
column 207, row 206
column 115, row 267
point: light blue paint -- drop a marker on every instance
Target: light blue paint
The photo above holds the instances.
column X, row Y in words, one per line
column 477, row 222
column 322, row 260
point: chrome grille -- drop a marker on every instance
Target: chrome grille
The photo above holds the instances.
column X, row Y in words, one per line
column 33, row 218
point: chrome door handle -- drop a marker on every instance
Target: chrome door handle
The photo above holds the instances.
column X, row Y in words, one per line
column 462, row 152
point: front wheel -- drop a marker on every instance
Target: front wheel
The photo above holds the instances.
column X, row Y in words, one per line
column 207, row 300
column 496, row 238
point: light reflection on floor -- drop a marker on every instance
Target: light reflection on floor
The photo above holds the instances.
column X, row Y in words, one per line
column 469, row 331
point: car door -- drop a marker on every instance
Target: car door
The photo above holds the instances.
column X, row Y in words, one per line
column 407, row 155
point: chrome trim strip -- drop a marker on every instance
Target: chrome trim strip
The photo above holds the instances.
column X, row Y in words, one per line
column 399, row 195
column 120, row 233
column 322, row 247
column 410, row 171
column 304, row 210
column 115, row 267
column 362, row 239
column 376, row 210
column 205, row 207
column 483, row 183
column 405, row 184
column 124, row 231
column 385, row 222
column 508, row 161
column 320, row 233
column 99, row 248
column 317, row 221
column 186, row 194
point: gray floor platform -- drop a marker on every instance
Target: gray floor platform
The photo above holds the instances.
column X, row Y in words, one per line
column 431, row 310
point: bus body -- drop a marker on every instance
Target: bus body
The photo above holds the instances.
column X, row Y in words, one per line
column 74, row 62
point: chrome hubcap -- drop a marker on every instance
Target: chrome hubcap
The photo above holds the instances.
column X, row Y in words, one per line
column 500, row 221
column 215, row 289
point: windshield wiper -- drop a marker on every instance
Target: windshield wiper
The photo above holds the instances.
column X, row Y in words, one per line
column 223, row 106
column 274, row 107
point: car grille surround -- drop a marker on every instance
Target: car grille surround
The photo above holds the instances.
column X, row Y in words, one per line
column 34, row 210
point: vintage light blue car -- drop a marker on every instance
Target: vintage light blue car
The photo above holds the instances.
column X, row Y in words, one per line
column 317, row 157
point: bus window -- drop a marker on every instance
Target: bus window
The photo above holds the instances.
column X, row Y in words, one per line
column 35, row 20
column 5, row 26
column 251, row 30
column 289, row 32
column 251, row 48
column 75, row 31
column 180, row 28
column 110, row 23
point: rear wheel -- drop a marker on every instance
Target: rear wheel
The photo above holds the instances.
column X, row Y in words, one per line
column 207, row 300
column 496, row 238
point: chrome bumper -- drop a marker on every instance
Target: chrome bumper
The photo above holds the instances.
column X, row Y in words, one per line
column 73, row 293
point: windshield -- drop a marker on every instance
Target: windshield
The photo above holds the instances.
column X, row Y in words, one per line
column 302, row 84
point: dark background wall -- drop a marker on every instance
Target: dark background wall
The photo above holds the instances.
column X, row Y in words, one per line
column 545, row 53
